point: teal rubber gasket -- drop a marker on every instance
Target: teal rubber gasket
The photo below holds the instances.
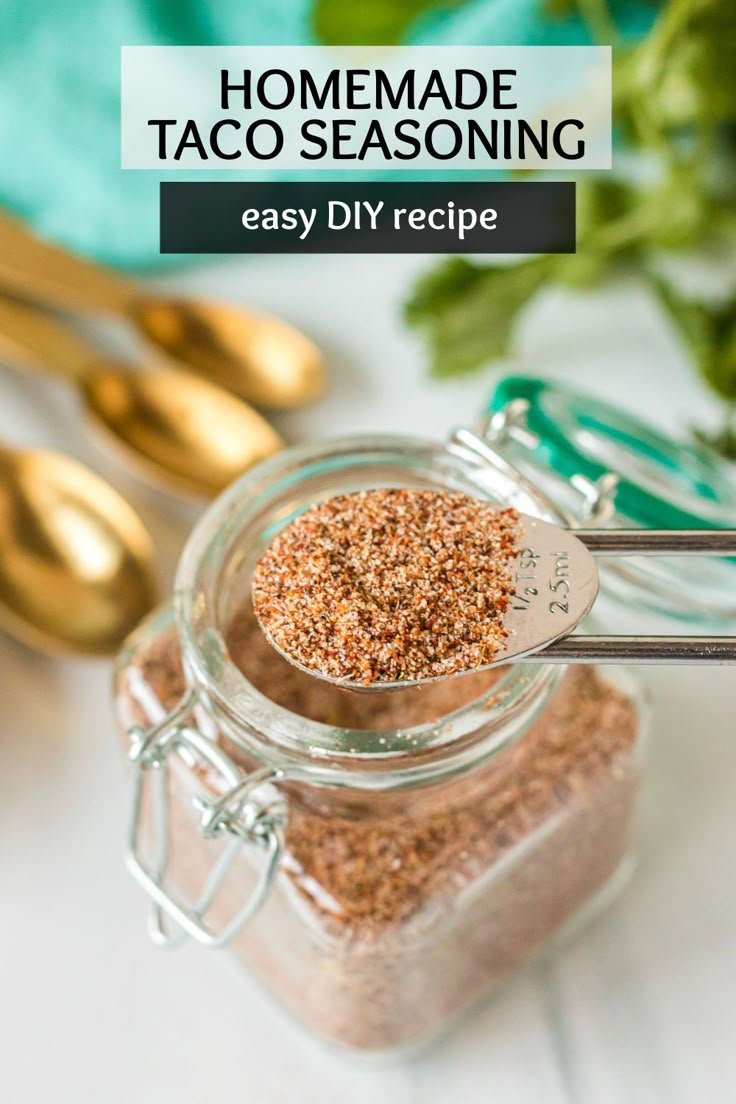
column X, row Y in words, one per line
column 685, row 468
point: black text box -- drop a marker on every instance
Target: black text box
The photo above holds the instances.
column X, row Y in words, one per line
column 375, row 217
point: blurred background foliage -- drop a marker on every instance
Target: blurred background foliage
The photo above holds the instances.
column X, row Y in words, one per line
column 672, row 192
column 675, row 111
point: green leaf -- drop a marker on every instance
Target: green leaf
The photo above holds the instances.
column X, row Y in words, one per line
column 603, row 207
column 598, row 201
column 468, row 312
column 709, row 332
column 720, row 369
column 723, row 441
column 583, row 269
column 559, row 9
column 679, row 210
column 369, row 22
column 440, row 287
column 685, row 69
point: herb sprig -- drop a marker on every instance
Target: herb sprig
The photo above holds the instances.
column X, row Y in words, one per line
column 675, row 101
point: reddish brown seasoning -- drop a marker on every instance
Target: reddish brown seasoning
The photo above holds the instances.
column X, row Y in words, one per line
column 389, row 585
column 415, row 902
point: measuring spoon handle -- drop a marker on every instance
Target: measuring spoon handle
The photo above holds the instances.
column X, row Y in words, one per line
column 52, row 275
column 709, row 650
column 32, row 339
column 658, row 542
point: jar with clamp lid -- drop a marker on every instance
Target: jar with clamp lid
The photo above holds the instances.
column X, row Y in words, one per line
column 381, row 862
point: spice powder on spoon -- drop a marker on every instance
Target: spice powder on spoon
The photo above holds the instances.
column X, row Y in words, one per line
column 389, row 585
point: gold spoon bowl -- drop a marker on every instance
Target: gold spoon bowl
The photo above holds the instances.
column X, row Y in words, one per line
column 260, row 358
column 76, row 562
column 179, row 430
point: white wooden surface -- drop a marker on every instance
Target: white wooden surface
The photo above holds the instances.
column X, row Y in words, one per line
column 640, row 1009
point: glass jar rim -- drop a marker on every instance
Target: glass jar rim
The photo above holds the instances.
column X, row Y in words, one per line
column 487, row 723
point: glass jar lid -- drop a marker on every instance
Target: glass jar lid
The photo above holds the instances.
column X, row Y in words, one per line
column 663, row 483
column 566, row 441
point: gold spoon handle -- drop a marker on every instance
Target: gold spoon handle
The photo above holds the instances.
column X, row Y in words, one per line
column 29, row 338
column 51, row 274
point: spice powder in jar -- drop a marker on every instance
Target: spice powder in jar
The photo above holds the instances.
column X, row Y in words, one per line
column 397, row 909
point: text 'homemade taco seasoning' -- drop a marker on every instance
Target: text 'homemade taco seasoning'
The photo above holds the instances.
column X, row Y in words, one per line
column 389, row 585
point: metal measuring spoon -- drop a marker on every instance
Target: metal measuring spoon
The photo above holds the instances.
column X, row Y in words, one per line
column 260, row 358
column 76, row 562
column 556, row 583
column 181, row 431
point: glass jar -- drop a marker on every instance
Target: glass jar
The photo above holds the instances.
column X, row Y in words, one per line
column 380, row 861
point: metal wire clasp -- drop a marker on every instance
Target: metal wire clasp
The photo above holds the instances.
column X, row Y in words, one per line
column 510, row 424
column 250, row 811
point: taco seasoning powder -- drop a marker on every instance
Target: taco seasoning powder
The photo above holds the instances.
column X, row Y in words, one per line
column 389, row 585
column 397, row 909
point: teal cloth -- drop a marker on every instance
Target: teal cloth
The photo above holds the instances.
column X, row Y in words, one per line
column 59, row 97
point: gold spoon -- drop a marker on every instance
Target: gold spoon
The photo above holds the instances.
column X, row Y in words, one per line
column 76, row 561
column 182, row 431
column 262, row 359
